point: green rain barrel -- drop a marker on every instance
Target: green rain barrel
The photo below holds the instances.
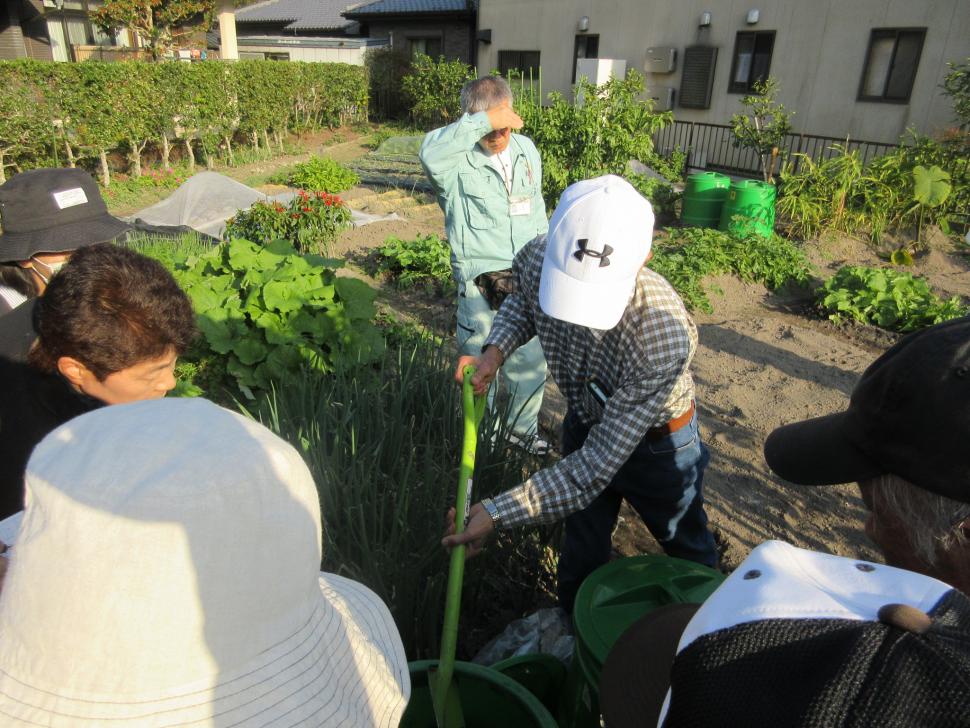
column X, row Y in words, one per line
column 704, row 197
column 753, row 202
column 609, row 601
column 488, row 699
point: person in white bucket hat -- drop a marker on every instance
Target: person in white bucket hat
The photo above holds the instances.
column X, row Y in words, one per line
column 166, row 573
column 619, row 344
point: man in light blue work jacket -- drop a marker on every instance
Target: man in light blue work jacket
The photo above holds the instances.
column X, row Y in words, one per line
column 489, row 185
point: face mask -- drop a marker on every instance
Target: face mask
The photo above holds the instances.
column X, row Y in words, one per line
column 52, row 268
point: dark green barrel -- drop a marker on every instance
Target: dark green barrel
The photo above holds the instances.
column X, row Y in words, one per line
column 488, row 699
column 753, row 203
column 609, row 601
column 704, row 197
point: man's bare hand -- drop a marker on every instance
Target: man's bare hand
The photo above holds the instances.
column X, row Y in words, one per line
column 477, row 531
column 502, row 117
column 486, row 367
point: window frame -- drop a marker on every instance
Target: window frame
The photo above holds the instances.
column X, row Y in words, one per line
column 879, row 34
column 521, row 53
column 747, row 87
column 412, row 37
column 586, row 37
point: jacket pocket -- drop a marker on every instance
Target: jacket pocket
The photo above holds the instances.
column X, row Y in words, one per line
column 476, row 200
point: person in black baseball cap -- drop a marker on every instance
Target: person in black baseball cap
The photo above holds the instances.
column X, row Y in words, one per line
column 905, row 439
column 46, row 215
column 797, row 638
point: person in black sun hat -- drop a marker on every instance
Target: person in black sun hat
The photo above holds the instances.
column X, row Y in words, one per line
column 46, row 215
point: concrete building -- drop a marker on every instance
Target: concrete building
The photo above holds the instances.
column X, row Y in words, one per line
column 866, row 68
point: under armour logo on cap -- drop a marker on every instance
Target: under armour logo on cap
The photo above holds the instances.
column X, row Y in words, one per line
column 603, row 255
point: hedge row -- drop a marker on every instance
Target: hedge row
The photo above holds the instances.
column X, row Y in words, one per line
column 57, row 113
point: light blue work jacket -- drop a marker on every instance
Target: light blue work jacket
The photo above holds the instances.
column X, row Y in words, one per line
column 483, row 235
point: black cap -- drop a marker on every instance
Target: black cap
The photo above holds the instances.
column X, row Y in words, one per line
column 53, row 211
column 909, row 415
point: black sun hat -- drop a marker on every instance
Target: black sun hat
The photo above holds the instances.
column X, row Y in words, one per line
column 798, row 639
column 909, row 415
column 53, row 211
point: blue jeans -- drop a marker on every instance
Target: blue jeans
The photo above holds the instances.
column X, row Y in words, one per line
column 662, row 480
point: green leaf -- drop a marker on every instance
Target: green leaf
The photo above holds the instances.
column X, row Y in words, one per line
column 217, row 334
column 931, row 187
column 281, row 296
column 357, row 297
column 249, row 350
column 901, row 257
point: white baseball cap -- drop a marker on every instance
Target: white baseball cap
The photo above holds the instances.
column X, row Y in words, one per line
column 599, row 238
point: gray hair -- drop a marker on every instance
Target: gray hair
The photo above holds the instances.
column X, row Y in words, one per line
column 482, row 94
column 933, row 522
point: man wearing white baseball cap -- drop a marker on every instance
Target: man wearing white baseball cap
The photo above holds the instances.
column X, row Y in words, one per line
column 619, row 343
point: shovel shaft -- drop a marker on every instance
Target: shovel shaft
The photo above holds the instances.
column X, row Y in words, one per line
column 474, row 408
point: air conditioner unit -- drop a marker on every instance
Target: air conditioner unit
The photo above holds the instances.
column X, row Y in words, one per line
column 662, row 59
column 663, row 98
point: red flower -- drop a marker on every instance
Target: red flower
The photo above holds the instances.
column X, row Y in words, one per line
column 295, row 215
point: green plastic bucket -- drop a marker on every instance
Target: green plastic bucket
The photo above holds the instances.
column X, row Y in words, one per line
column 754, row 202
column 541, row 675
column 704, row 197
column 488, row 698
column 609, row 601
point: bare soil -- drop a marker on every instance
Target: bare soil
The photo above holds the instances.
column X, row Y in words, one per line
column 764, row 359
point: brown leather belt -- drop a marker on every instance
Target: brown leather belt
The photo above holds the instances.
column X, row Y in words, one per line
column 661, row 431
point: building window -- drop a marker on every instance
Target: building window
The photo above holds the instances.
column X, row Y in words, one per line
column 586, row 46
column 524, row 62
column 427, row 46
column 276, row 56
column 891, row 62
column 752, row 60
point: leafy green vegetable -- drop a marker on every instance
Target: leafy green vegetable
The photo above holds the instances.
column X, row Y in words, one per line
column 320, row 174
column 687, row 255
column 885, row 297
column 426, row 261
column 270, row 311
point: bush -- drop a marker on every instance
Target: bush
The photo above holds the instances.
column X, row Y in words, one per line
column 321, row 174
column 386, row 69
column 51, row 111
column 885, row 297
column 267, row 312
column 383, row 445
column 843, row 194
column 434, row 89
column 687, row 255
column 309, row 222
column 660, row 193
column 599, row 136
column 426, row 261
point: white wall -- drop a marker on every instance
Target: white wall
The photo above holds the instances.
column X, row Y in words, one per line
column 353, row 56
column 818, row 56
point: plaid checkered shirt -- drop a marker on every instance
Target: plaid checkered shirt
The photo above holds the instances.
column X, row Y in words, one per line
column 642, row 363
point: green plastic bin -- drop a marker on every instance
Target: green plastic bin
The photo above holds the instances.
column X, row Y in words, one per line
column 488, row 699
column 704, row 197
column 754, row 203
column 609, row 601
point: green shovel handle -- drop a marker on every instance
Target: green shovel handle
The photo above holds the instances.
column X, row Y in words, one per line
column 474, row 409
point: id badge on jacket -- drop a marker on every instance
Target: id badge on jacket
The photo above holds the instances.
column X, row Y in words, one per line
column 520, row 206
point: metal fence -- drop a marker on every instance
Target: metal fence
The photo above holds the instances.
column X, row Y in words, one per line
column 711, row 146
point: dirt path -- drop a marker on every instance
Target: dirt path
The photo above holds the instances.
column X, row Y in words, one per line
column 762, row 361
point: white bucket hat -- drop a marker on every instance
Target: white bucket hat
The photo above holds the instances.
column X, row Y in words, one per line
column 599, row 237
column 166, row 573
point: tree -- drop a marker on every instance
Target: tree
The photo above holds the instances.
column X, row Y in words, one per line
column 763, row 125
column 956, row 85
column 159, row 23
